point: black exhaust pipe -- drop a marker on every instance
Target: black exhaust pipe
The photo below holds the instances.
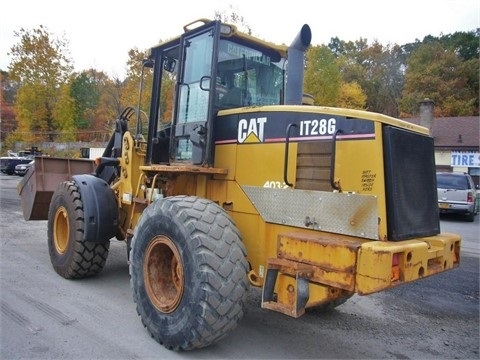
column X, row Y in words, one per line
column 295, row 66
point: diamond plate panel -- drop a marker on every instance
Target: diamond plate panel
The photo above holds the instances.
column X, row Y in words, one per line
column 341, row 213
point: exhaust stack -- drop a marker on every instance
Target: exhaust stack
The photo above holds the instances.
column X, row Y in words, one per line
column 295, row 66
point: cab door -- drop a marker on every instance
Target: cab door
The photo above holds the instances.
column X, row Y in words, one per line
column 192, row 136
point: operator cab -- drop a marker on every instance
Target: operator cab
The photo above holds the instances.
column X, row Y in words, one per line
column 208, row 69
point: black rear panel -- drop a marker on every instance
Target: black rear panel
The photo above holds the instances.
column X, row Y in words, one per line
column 412, row 203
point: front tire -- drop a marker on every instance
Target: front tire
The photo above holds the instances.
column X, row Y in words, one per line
column 188, row 272
column 70, row 255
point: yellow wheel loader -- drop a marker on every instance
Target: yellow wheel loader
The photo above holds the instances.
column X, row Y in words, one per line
column 238, row 180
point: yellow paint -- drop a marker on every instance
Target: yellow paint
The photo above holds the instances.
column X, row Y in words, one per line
column 417, row 259
column 359, row 169
column 339, row 265
column 226, row 158
column 262, row 163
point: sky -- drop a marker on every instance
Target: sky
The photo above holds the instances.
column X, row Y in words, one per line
column 101, row 32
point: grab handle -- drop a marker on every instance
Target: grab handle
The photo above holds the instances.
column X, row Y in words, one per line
column 332, row 161
column 287, row 142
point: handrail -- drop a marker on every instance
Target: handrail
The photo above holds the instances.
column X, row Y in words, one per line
column 287, row 142
column 332, row 161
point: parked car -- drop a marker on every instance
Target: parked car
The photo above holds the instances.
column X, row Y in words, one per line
column 21, row 169
column 9, row 163
column 457, row 194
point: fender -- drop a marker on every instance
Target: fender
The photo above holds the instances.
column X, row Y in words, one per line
column 100, row 208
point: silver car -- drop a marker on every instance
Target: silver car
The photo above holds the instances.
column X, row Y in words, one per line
column 456, row 194
column 21, row 169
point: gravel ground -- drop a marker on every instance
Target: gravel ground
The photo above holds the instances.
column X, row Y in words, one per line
column 44, row 316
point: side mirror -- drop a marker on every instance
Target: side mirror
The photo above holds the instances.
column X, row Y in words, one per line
column 169, row 65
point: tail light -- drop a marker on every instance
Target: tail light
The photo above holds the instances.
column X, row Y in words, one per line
column 395, row 267
column 470, row 197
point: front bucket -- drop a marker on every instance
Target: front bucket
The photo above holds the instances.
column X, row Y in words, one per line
column 41, row 180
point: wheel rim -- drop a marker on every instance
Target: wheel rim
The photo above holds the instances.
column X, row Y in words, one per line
column 163, row 274
column 61, row 230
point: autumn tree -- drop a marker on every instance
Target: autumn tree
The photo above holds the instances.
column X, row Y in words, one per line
column 63, row 115
column 131, row 90
column 351, row 96
column 383, row 80
column 376, row 68
column 48, row 101
column 392, row 79
column 140, row 98
column 41, row 67
column 471, row 70
column 439, row 74
column 7, row 114
column 137, row 87
column 349, row 59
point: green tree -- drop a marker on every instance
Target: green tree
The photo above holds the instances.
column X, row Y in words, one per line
column 322, row 76
column 86, row 95
column 464, row 44
column 40, row 66
column 96, row 104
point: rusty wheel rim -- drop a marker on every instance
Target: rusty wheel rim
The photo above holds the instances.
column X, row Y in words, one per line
column 163, row 274
column 61, row 230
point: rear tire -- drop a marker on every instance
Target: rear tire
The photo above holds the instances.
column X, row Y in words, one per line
column 70, row 255
column 471, row 217
column 188, row 272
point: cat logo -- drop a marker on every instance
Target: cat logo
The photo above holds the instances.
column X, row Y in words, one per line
column 251, row 131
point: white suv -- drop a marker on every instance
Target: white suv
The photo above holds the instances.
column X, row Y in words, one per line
column 456, row 194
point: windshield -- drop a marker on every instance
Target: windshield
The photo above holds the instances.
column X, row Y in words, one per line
column 247, row 76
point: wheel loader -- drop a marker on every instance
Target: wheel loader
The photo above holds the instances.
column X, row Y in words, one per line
column 234, row 179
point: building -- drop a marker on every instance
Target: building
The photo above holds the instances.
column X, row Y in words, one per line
column 457, row 144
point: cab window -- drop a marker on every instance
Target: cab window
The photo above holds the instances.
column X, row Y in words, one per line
column 247, row 76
